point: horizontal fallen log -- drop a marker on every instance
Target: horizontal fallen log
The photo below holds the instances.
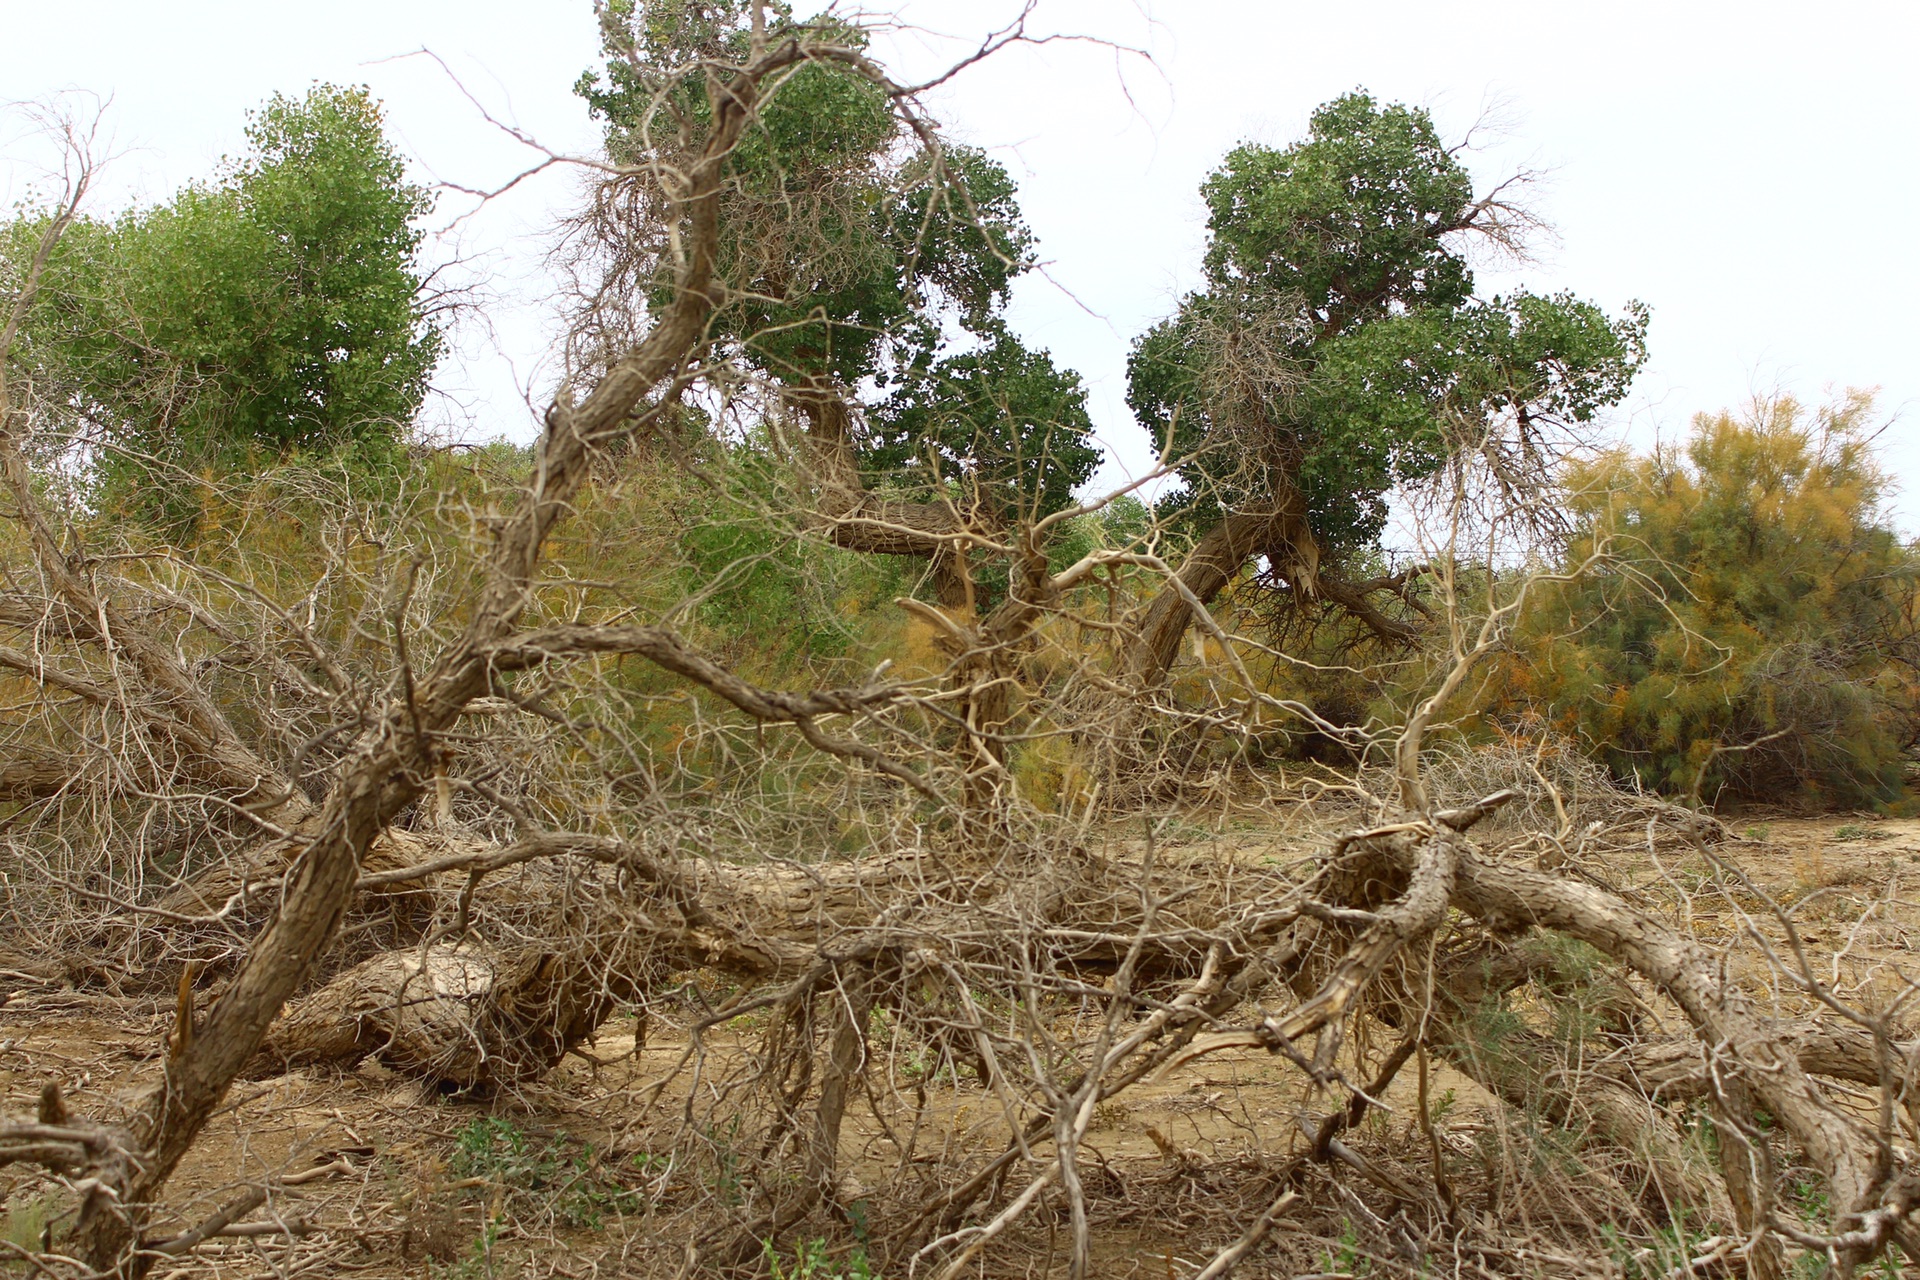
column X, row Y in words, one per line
column 458, row 1015
column 27, row 777
column 1676, row 1069
column 478, row 1013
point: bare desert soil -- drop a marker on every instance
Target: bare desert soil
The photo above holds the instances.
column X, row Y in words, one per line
column 382, row 1177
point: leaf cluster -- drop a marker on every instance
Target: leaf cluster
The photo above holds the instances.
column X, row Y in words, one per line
column 1338, row 348
column 1000, row 426
column 277, row 310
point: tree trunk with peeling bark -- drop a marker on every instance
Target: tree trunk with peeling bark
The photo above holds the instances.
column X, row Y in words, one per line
column 1284, row 537
column 1216, row 559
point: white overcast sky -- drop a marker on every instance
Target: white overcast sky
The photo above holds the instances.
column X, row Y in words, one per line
column 1747, row 169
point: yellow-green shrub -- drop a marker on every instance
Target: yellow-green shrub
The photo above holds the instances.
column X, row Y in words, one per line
column 1749, row 630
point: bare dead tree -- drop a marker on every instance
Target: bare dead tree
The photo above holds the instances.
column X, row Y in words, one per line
column 398, row 753
column 460, row 858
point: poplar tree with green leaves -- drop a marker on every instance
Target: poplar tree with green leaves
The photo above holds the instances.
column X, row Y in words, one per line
column 277, row 311
column 866, row 267
column 1338, row 350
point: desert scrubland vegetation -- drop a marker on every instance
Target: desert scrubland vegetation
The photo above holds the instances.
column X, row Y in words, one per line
column 785, row 821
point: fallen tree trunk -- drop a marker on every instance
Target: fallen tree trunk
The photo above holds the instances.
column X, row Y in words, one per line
column 486, row 1014
column 1742, row 1060
column 1752, row 1046
column 459, row 1015
column 1678, row 1069
column 26, row 777
column 481, row 1016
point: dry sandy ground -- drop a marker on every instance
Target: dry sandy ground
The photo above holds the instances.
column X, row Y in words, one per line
column 383, row 1185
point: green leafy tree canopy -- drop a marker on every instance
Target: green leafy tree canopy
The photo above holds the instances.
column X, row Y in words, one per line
column 864, row 261
column 277, row 310
column 1338, row 348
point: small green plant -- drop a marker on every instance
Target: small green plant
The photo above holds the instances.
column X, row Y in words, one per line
column 1671, row 1245
column 478, row 1264
column 1857, row 831
column 573, row 1186
column 811, row 1261
column 495, row 1149
column 1349, row 1259
column 1759, row 832
column 1811, row 1266
column 1702, row 1132
column 1808, row 1195
column 727, row 1183
column 26, row 1223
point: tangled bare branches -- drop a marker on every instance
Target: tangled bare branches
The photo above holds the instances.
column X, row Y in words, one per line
column 908, row 958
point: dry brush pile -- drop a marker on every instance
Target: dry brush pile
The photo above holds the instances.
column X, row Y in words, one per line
column 397, row 812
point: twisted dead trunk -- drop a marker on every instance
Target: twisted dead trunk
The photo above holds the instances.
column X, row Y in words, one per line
column 398, row 756
column 859, row 520
column 1216, row 559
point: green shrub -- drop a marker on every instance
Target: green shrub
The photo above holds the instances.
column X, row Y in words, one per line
column 1750, row 631
column 575, row 1187
column 811, row 1261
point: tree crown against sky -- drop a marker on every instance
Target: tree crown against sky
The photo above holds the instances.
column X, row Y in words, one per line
column 862, row 260
column 1338, row 348
column 279, row 309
